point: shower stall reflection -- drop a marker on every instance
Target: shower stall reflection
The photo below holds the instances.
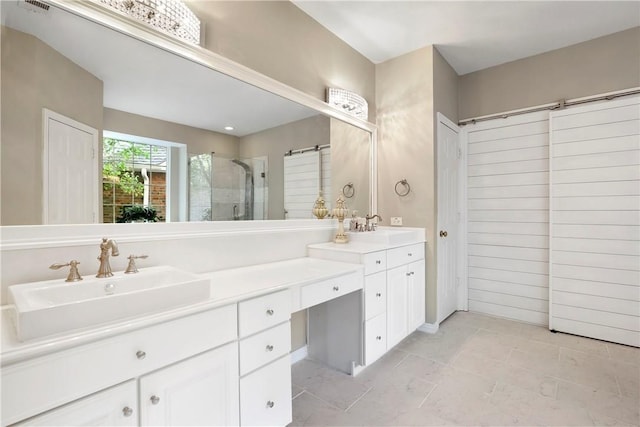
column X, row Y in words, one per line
column 223, row 189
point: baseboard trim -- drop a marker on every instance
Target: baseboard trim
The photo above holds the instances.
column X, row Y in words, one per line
column 429, row 328
column 299, row 354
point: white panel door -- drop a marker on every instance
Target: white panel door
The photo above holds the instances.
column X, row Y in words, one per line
column 508, row 210
column 202, row 390
column 449, row 155
column 71, row 181
column 301, row 184
column 595, row 221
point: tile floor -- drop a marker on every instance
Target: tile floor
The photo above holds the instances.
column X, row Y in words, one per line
column 478, row 370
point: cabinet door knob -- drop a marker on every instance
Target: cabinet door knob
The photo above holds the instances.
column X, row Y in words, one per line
column 410, row 254
column 408, row 274
column 378, row 294
column 127, row 412
column 270, row 312
column 379, row 338
column 270, row 404
column 378, row 261
column 269, row 347
column 443, row 233
column 155, row 400
column 336, row 288
column 141, row 354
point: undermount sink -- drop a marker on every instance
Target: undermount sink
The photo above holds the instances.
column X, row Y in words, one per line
column 54, row 306
column 388, row 235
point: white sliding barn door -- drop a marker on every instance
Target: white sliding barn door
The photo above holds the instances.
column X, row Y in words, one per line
column 595, row 221
column 301, row 184
column 508, row 210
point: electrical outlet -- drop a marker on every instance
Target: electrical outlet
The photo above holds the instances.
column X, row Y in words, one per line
column 396, row 220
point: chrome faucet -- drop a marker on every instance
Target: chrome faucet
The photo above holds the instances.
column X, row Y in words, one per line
column 105, row 246
column 371, row 226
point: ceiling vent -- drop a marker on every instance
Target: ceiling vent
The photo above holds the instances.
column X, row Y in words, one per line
column 34, row 6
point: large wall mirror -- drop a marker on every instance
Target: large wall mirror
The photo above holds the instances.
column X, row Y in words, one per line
column 100, row 126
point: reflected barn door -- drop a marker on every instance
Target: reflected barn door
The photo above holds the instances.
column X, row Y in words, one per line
column 70, row 171
column 301, row 184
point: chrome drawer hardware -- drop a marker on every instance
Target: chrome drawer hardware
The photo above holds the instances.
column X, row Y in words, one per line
column 336, row 288
column 155, row 400
column 378, row 261
column 127, row 412
column 270, row 312
column 270, row 404
column 379, row 338
column 269, row 347
column 141, row 354
column 378, row 294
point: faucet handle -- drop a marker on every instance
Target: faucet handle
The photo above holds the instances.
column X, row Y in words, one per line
column 132, row 268
column 74, row 275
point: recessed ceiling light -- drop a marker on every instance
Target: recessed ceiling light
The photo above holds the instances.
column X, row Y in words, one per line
column 228, row 128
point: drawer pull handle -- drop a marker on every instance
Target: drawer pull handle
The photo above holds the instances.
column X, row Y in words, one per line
column 378, row 261
column 379, row 338
column 270, row 404
column 336, row 288
column 155, row 400
column 378, row 294
column 270, row 312
column 127, row 412
column 410, row 254
column 269, row 347
column 141, row 354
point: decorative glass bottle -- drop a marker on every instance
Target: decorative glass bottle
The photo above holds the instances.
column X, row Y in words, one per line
column 319, row 209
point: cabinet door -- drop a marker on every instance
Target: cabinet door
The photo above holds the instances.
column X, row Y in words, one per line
column 397, row 327
column 202, row 390
column 116, row 406
column 416, row 293
column 265, row 395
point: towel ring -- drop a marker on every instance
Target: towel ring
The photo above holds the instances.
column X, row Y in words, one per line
column 348, row 190
column 406, row 185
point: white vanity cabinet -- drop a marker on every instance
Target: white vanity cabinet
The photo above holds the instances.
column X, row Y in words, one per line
column 159, row 354
column 265, row 364
column 394, row 290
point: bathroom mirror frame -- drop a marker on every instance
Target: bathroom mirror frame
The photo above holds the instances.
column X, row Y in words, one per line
column 119, row 22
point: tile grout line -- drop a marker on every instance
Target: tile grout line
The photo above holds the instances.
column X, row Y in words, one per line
column 358, row 399
column 324, row 401
column 427, row 396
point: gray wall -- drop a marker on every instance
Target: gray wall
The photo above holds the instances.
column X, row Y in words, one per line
column 279, row 40
column 596, row 66
column 274, row 143
column 34, row 77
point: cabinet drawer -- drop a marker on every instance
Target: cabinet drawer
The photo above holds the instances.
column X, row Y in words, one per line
column 101, row 364
column 375, row 338
column 374, row 262
column 325, row 290
column 265, row 395
column 405, row 255
column 375, row 294
column 264, row 347
column 108, row 408
column 263, row 312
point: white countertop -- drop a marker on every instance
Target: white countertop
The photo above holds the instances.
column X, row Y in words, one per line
column 359, row 247
column 227, row 287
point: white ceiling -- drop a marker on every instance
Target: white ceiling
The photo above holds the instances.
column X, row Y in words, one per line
column 471, row 35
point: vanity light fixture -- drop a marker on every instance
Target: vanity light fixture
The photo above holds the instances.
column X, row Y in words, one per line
column 349, row 102
column 170, row 16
